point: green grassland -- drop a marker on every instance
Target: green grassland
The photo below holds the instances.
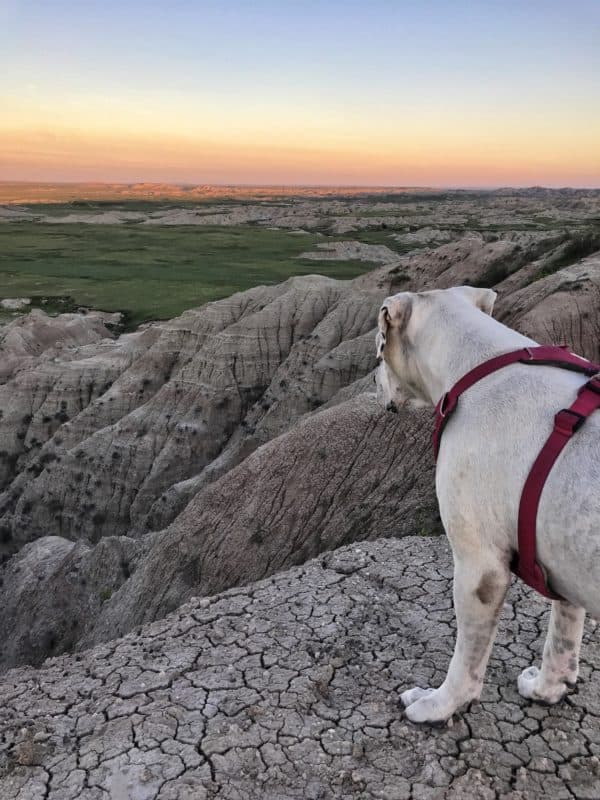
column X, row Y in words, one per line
column 150, row 272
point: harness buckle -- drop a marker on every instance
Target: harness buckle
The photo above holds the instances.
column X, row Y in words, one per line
column 593, row 385
column 567, row 421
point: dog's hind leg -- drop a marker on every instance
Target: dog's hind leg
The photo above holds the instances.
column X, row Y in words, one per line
column 480, row 584
column 560, row 662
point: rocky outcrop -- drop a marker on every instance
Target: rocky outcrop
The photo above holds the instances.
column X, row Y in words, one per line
column 161, row 407
column 26, row 337
column 336, row 251
column 289, row 688
column 560, row 307
column 347, row 474
column 476, row 259
column 52, row 588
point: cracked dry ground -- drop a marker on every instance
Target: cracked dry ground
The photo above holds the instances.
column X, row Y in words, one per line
column 288, row 688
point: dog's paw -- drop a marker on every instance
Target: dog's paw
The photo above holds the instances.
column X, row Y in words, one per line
column 532, row 687
column 411, row 696
column 427, row 705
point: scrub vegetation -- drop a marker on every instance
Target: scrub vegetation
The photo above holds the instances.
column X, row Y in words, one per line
column 578, row 245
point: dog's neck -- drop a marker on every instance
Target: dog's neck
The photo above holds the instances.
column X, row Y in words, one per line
column 452, row 344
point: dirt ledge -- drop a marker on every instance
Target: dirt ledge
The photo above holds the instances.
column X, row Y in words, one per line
column 288, row 688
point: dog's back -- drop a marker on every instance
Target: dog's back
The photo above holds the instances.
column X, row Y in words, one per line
column 498, row 430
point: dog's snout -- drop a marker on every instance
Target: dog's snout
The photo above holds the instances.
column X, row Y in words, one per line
column 391, row 406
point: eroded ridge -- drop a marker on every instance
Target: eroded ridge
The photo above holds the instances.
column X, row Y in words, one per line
column 288, row 688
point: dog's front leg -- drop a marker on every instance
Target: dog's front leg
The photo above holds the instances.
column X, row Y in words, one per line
column 480, row 584
column 560, row 662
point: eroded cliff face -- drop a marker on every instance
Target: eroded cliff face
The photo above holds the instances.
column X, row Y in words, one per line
column 94, row 438
column 28, row 336
column 231, row 442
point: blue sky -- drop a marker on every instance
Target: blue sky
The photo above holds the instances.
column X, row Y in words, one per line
column 332, row 70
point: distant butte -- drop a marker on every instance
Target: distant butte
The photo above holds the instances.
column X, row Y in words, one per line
column 24, row 192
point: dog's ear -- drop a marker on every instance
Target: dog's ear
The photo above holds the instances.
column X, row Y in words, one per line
column 483, row 299
column 394, row 313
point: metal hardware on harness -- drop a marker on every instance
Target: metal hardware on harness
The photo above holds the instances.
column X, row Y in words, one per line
column 593, row 385
column 566, row 422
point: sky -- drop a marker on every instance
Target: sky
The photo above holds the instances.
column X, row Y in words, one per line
column 379, row 93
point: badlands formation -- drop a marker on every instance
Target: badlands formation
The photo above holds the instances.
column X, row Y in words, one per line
column 162, row 494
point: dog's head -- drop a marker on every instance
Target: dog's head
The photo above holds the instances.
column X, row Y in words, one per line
column 402, row 320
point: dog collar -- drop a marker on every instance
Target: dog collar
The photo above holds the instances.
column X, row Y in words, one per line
column 566, row 422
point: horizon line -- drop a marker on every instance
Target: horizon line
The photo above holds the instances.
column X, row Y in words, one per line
column 425, row 187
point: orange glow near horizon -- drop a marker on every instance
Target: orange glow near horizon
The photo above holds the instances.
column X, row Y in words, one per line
column 412, row 157
column 159, row 137
column 335, row 93
column 52, row 157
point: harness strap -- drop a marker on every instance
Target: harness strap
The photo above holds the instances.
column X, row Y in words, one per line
column 543, row 355
column 566, row 423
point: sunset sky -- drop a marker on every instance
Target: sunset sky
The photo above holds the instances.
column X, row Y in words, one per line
column 301, row 92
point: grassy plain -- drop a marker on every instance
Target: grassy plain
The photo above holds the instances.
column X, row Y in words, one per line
column 150, row 272
column 156, row 271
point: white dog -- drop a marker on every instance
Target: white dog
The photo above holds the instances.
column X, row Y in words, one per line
column 427, row 342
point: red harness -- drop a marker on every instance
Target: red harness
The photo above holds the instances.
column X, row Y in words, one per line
column 566, row 422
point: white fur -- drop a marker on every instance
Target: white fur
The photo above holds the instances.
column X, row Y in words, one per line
column 431, row 339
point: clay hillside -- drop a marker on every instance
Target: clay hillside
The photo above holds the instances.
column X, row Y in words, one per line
column 171, row 486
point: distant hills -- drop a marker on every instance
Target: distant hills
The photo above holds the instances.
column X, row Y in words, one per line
column 22, row 192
